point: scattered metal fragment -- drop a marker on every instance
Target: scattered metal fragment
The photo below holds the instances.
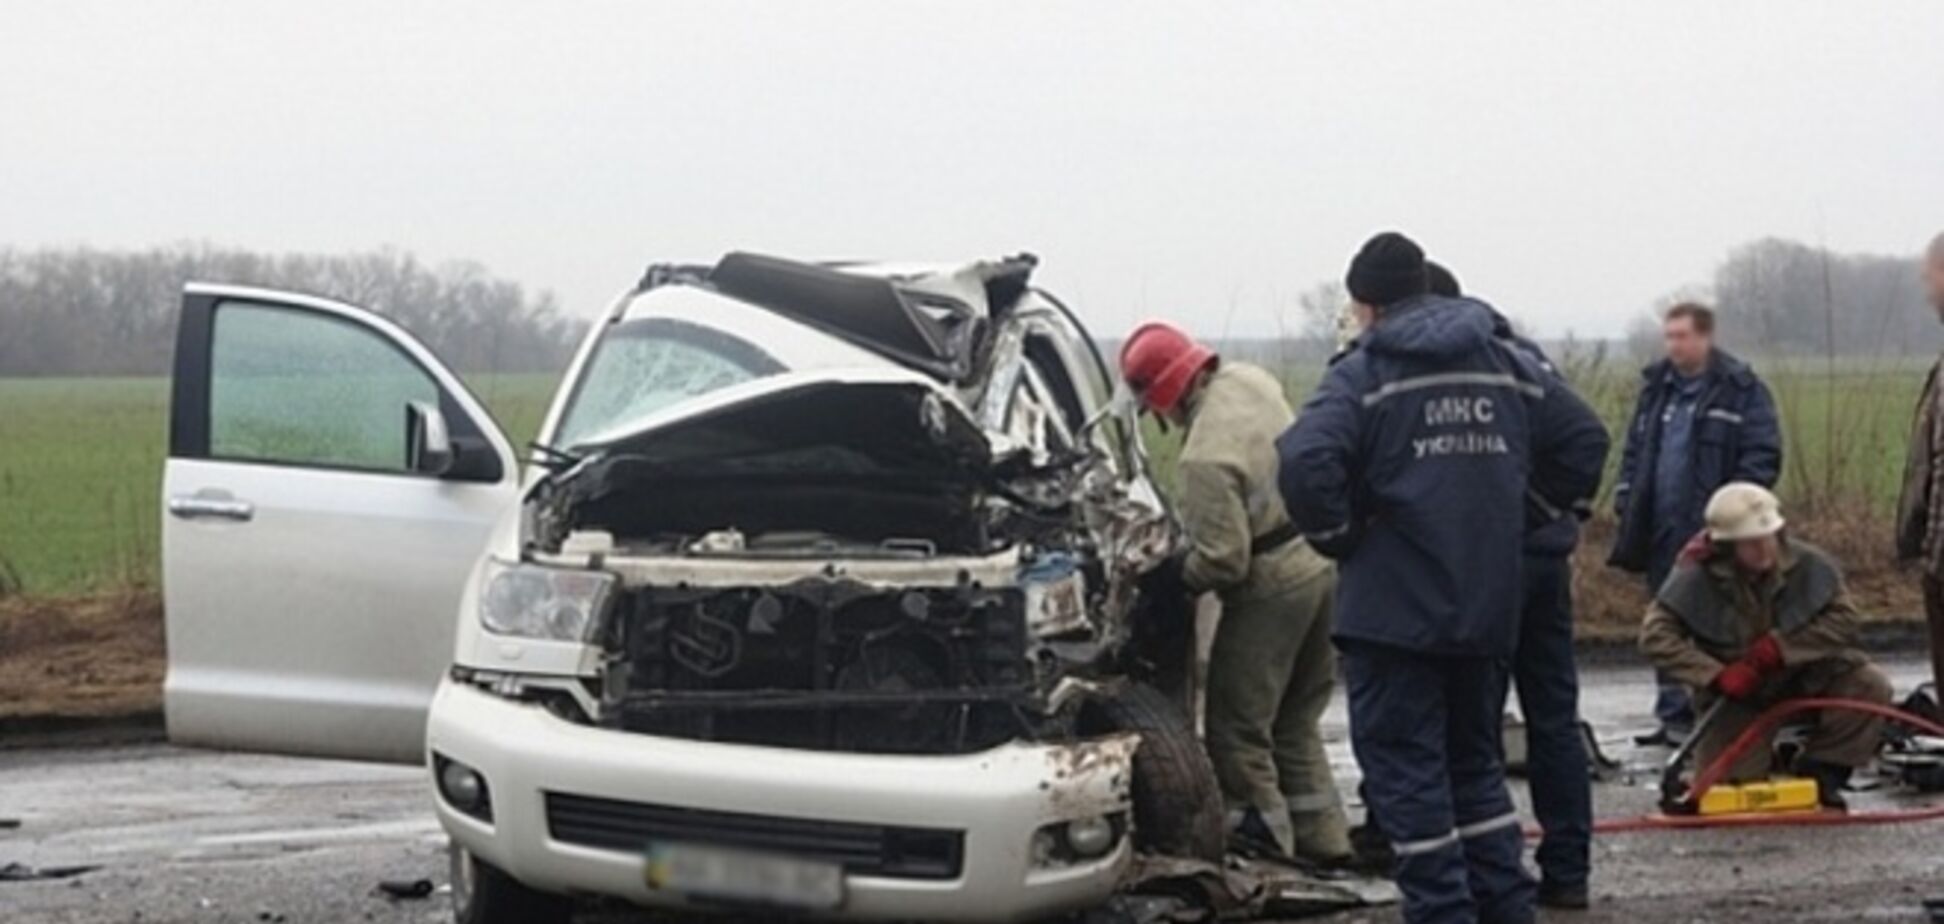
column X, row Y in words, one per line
column 405, row 888
column 21, row 872
column 1172, row 890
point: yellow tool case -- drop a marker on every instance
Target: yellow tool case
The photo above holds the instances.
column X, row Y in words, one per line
column 1788, row 794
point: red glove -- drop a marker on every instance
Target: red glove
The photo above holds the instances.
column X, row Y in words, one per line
column 1765, row 656
column 1738, row 681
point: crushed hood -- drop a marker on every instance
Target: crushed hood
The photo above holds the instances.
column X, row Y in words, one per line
column 865, row 456
column 862, row 424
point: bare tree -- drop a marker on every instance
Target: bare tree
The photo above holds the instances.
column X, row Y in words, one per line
column 91, row 312
column 1320, row 310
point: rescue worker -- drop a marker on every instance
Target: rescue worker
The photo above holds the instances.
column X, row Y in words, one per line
column 1410, row 465
column 1756, row 616
column 1543, row 668
column 1271, row 671
column 1920, row 507
column 1703, row 419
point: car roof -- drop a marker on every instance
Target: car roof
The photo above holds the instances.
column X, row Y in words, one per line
column 930, row 317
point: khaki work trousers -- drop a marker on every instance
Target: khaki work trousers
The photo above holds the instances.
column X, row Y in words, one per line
column 1843, row 739
column 1270, row 675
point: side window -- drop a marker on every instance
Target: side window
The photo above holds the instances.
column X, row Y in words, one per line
column 1057, row 378
column 1046, row 358
column 1034, row 421
column 304, row 388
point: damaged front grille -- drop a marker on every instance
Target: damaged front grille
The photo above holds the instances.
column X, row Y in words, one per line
column 861, row 849
column 824, row 664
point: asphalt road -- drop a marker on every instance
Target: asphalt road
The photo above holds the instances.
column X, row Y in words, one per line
column 196, row 836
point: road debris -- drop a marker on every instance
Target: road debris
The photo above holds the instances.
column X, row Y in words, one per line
column 1172, row 890
column 411, row 889
column 21, row 872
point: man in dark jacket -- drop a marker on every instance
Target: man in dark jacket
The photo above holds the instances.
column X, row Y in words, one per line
column 1543, row 669
column 1702, row 420
column 1411, row 465
column 1920, row 508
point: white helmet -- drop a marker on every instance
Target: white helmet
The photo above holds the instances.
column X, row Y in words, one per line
column 1743, row 510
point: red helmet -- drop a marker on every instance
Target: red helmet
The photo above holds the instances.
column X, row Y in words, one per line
column 1159, row 362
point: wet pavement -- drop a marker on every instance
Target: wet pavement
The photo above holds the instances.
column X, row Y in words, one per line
column 198, row 836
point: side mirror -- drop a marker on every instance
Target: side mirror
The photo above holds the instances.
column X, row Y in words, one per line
column 428, row 444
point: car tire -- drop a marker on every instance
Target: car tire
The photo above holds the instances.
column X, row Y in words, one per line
column 1177, row 802
column 482, row 894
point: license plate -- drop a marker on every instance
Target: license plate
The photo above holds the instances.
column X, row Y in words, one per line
column 744, row 877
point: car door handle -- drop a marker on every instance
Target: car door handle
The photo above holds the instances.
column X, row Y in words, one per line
column 194, row 508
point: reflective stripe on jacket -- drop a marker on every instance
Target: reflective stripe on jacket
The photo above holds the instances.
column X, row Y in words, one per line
column 1736, row 438
column 1410, row 466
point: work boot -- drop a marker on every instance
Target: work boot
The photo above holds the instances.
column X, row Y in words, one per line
column 1373, row 850
column 1252, row 834
column 1831, row 780
column 1666, row 736
column 1564, row 896
column 1923, row 705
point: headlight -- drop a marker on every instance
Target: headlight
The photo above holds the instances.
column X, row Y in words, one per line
column 549, row 603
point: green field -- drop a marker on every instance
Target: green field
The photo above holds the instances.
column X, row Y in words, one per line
column 81, row 459
column 81, row 474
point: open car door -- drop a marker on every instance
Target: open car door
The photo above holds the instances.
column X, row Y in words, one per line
column 328, row 489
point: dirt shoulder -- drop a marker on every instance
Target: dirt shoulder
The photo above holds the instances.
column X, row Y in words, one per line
column 1608, row 604
column 97, row 657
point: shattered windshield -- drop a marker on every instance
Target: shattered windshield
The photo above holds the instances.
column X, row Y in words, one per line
column 650, row 364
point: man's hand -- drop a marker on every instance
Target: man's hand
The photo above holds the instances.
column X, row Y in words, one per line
column 1738, row 681
column 1743, row 679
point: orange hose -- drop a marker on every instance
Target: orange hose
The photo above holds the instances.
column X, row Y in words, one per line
column 1758, row 733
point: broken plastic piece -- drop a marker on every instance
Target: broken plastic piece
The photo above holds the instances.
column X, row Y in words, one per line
column 21, row 872
column 406, row 888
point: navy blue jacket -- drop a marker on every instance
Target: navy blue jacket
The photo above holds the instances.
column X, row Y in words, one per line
column 1736, row 438
column 1574, row 452
column 1414, row 464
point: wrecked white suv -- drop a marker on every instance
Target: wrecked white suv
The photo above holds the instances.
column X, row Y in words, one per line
column 829, row 589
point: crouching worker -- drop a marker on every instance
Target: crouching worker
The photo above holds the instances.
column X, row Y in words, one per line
column 1272, row 669
column 1758, row 617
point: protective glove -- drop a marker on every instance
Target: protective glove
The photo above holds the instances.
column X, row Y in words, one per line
column 1738, row 681
column 1765, row 656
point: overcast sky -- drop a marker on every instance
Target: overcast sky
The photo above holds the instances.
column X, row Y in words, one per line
column 1198, row 161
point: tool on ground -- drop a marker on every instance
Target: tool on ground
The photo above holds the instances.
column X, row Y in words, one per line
column 1674, row 791
column 1756, row 734
column 1518, row 751
column 1787, row 794
column 1910, row 758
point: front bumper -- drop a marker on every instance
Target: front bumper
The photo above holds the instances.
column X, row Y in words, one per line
column 997, row 799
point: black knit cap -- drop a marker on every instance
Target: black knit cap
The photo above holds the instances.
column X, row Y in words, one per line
column 1441, row 280
column 1389, row 268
